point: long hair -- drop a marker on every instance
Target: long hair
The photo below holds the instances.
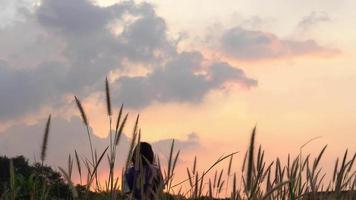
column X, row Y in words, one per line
column 145, row 155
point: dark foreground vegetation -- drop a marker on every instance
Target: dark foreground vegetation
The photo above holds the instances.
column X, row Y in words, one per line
column 300, row 178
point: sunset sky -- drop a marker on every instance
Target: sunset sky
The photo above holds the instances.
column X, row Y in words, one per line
column 202, row 72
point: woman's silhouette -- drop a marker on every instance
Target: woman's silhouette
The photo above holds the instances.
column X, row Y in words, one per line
column 143, row 179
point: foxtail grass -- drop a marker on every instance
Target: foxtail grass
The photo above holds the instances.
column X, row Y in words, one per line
column 45, row 140
column 301, row 177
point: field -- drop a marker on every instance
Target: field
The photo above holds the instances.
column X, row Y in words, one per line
column 301, row 178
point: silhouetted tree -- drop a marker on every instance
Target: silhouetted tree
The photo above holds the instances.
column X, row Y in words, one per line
column 32, row 180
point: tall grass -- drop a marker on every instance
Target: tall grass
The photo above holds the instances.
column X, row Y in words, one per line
column 301, row 177
column 45, row 140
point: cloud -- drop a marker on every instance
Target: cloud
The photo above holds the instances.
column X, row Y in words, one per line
column 10, row 11
column 68, row 47
column 178, row 81
column 26, row 90
column 146, row 39
column 255, row 45
column 191, row 142
column 185, row 146
column 312, row 20
column 66, row 136
column 73, row 16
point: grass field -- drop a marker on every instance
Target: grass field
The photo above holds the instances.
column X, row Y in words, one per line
column 301, row 177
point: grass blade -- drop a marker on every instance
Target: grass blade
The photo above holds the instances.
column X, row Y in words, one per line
column 45, row 140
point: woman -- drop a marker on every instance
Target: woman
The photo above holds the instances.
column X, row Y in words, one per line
column 143, row 179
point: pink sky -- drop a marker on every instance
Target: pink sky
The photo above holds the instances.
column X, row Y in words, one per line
column 286, row 66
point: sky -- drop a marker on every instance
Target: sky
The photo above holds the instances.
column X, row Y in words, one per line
column 201, row 72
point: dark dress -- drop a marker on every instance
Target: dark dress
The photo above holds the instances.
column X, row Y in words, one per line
column 152, row 182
